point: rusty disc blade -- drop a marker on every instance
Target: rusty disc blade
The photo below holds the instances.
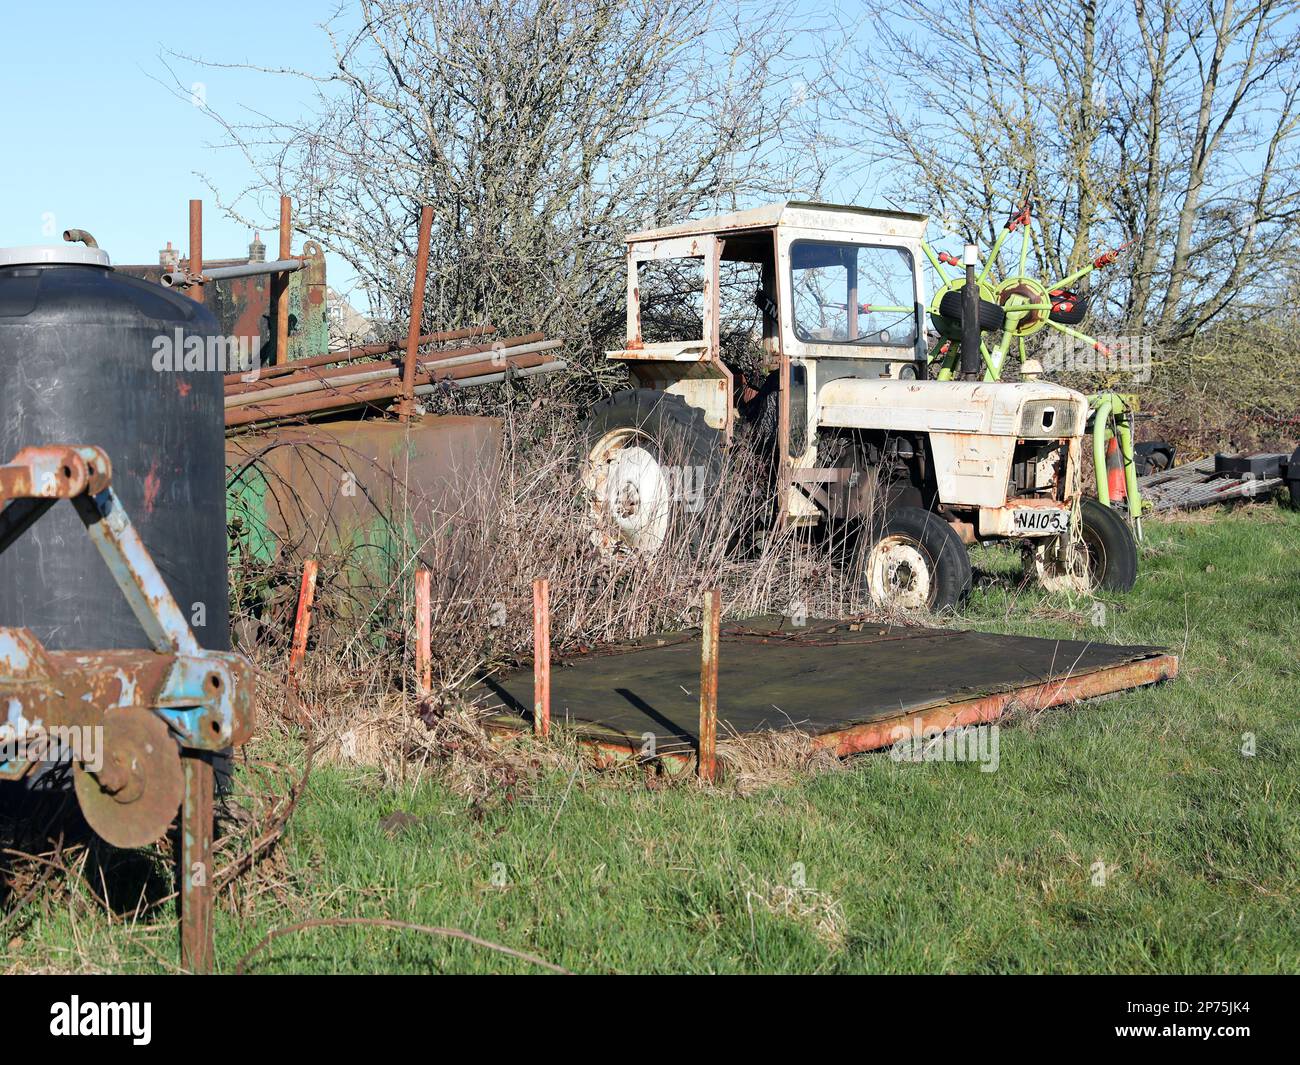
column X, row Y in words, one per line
column 134, row 795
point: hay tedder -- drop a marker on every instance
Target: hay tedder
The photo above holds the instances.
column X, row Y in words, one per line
column 912, row 469
column 138, row 727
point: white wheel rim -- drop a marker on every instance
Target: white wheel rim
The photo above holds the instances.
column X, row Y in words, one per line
column 630, row 492
column 1063, row 567
column 899, row 573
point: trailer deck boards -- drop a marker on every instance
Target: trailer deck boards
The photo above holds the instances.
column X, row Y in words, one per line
column 851, row 686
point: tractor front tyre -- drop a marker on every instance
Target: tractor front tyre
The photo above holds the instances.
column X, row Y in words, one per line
column 1103, row 556
column 650, row 464
column 912, row 560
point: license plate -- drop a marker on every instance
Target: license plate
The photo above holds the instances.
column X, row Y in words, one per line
column 1039, row 521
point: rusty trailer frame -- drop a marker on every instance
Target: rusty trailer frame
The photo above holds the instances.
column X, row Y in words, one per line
column 850, row 686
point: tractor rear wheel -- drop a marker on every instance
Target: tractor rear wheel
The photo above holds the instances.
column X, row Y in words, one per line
column 911, row 559
column 651, row 464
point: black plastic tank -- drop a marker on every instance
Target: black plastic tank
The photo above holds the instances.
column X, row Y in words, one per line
column 91, row 356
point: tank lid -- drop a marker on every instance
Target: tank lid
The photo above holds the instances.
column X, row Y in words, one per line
column 59, row 254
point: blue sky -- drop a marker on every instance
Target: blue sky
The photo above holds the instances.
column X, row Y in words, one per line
column 93, row 140
column 97, row 137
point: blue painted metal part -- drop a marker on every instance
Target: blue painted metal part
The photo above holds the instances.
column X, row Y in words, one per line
column 205, row 697
column 136, row 573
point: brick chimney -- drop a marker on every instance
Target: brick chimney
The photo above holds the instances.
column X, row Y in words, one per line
column 257, row 250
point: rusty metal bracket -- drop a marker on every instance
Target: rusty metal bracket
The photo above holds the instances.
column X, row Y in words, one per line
column 204, row 698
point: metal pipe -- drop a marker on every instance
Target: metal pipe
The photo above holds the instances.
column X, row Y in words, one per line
column 385, row 388
column 435, row 358
column 1100, row 431
column 80, row 236
column 302, row 623
column 542, row 657
column 371, row 392
column 406, row 406
column 195, row 264
column 495, row 378
column 1134, row 494
column 365, row 351
column 970, row 315
column 706, row 765
column 423, row 634
column 280, row 283
column 318, row 384
column 238, row 419
column 190, row 277
column 196, row 863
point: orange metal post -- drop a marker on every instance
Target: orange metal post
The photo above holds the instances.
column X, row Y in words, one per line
column 196, row 863
column 706, row 764
column 542, row 656
column 423, row 637
column 406, row 405
column 196, row 247
column 280, row 283
column 302, row 622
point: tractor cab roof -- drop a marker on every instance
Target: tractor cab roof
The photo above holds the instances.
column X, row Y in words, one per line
column 826, row 218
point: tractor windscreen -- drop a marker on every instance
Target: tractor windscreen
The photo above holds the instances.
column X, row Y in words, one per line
column 853, row 294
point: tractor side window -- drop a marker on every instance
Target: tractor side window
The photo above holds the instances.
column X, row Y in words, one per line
column 672, row 299
column 853, row 294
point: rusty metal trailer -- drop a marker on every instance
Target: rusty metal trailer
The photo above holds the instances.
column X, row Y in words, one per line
column 850, row 686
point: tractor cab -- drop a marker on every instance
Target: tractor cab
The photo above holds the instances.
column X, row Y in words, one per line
column 842, row 284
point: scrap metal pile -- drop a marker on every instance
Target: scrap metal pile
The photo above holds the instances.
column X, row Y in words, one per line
column 1223, row 479
column 361, row 377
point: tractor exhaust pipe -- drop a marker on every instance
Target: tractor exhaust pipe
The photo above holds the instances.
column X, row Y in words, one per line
column 970, row 316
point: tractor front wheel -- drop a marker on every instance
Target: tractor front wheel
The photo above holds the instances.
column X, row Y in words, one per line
column 1102, row 556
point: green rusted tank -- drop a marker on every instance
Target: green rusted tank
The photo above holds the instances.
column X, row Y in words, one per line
column 372, row 497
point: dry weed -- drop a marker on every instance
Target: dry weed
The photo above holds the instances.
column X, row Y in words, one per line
column 818, row 911
column 754, row 761
column 530, row 519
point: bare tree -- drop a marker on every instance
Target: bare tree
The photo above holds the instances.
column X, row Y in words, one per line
column 1169, row 125
column 541, row 131
column 1241, row 79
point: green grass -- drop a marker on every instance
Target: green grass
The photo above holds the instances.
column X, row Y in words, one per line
column 914, row 867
